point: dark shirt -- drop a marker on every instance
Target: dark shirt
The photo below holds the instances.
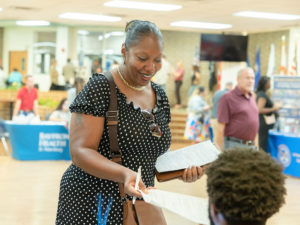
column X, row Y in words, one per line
column 240, row 115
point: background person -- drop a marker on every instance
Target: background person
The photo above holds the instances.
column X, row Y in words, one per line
column 215, row 102
column 69, row 72
column 61, row 114
column 267, row 108
column 142, row 105
column 54, row 76
column 197, row 123
column 178, row 78
column 238, row 114
column 3, row 78
column 195, row 80
column 27, row 99
column 245, row 187
column 15, row 78
column 161, row 77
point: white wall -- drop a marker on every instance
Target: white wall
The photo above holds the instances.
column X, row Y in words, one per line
column 230, row 71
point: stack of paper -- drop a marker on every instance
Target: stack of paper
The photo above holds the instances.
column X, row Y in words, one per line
column 194, row 155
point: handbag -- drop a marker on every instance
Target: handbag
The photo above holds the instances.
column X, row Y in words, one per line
column 140, row 213
column 269, row 120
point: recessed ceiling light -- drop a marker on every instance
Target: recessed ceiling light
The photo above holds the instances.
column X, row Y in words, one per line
column 82, row 32
column 265, row 15
column 142, row 5
column 32, row 23
column 91, row 17
column 0, row 9
column 203, row 25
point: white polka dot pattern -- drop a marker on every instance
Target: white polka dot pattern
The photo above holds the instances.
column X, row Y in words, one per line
column 79, row 190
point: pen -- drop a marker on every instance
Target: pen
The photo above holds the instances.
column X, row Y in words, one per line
column 137, row 181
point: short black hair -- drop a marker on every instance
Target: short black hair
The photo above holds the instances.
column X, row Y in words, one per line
column 246, row 186
column 137, row 29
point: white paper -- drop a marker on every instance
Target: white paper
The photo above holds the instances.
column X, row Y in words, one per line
column 192, row 208
column 194, row 155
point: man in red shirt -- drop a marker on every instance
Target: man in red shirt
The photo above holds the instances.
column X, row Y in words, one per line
column 238, row 114
column 27, row 99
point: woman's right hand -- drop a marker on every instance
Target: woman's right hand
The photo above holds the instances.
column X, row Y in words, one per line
column 129, row 184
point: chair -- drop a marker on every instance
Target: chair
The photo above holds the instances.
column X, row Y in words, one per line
column 3, row 135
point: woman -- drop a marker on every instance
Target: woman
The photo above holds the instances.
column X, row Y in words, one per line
column 178, row 77
column 267, row 111
column 92, row 172
column 197, row 124
column 61, row 114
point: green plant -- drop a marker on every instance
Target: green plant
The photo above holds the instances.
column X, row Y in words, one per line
column 48, row 102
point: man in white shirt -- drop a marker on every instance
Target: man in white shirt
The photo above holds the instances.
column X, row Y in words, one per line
column 161, row 77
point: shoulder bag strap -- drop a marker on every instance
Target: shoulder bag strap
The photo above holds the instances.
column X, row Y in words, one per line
column 112, row 120
column 112, row 123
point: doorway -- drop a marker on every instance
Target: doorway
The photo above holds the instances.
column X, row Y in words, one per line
column 18, row 60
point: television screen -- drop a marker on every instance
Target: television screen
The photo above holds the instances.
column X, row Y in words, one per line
column 220, row 47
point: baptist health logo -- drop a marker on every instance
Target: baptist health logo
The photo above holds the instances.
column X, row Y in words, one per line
column 284, row 155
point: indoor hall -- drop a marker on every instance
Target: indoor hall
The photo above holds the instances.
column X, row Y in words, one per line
column 196, row 35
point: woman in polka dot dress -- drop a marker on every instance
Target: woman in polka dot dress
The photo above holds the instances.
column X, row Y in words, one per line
column 143, row 133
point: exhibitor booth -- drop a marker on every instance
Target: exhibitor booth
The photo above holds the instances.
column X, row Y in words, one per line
column 284, row 140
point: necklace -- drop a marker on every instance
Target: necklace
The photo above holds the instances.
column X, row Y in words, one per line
column 128, row 85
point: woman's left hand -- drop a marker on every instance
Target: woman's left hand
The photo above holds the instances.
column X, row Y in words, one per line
column 192, row 174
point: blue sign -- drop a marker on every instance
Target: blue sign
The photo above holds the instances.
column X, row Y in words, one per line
column 46, row 141
column 286, row 150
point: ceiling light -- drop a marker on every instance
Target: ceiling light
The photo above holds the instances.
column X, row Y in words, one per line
column 83, row 32
column 32, row 23
column 91, row 17
column 142, row 5
column 203, row 25
column 117, row 33
column 264, row 15
column 100, row 38
column 0, row 9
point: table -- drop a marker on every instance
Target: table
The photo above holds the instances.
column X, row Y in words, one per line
column 43, row 141
column 285, row 149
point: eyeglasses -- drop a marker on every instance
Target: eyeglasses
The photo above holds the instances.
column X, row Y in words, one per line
column 154, row 128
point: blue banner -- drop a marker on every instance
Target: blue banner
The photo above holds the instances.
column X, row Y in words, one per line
column 38, row 141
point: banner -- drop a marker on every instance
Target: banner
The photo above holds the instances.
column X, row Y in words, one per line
column 271, row 62
column 38, row 141
column 293, row 68
column 286, row 89
column 257, row 67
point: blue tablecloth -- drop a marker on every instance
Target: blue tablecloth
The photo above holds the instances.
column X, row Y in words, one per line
column 45, row 141
column 285, row 149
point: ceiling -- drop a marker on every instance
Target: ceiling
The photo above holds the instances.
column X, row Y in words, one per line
column 215, row 11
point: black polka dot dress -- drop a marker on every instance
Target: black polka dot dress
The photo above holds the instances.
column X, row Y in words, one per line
column 79, row 191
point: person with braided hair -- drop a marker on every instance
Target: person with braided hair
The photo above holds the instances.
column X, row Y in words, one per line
column 245, row 187
column 143, row 133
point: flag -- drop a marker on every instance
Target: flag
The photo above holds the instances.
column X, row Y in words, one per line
column 271, row 63
column 293, row 67
column 219, row 74
column 283, row 57
column 247, row 61
column 257, row 67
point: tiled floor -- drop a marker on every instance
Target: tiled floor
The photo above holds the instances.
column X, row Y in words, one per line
column 29, row 191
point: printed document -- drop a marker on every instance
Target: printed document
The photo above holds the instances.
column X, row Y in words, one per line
column 194, row 155
column 192, row 208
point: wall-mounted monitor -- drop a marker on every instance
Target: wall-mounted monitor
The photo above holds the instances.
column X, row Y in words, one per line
column 220, row 47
